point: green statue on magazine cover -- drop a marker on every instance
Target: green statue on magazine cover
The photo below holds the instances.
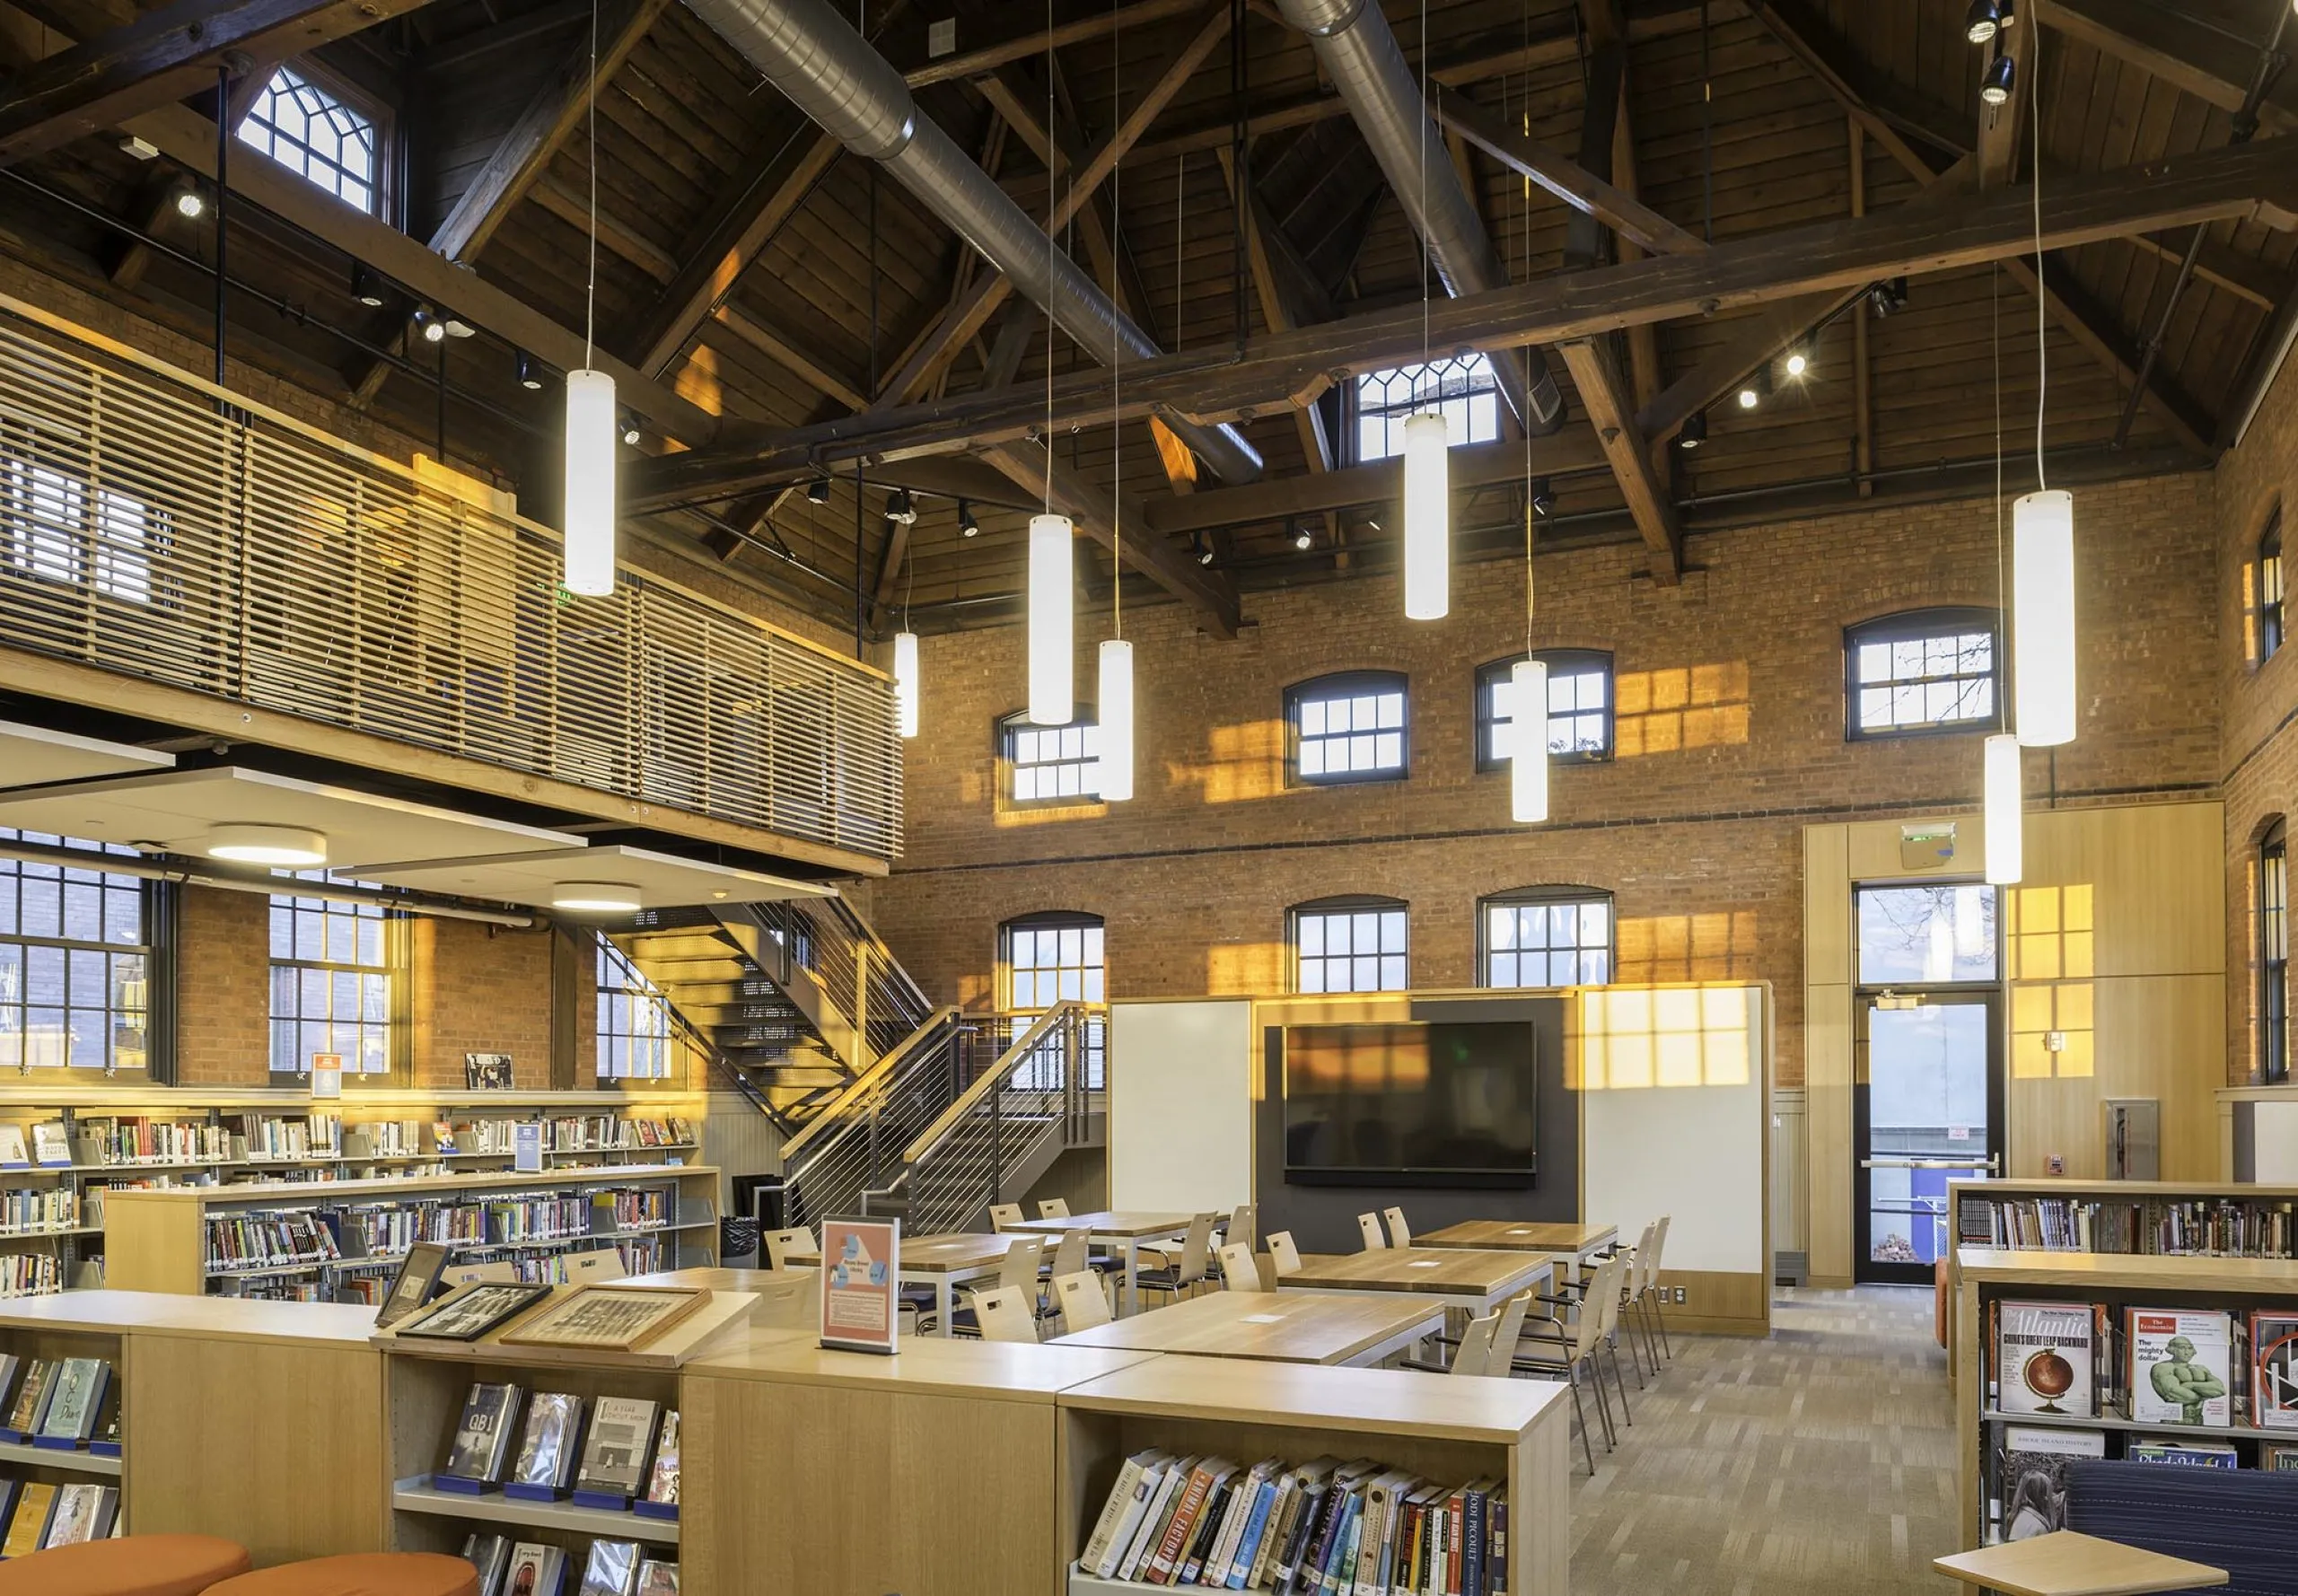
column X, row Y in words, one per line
column 2180, row 1379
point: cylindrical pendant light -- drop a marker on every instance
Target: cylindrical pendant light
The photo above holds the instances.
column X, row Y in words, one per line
column 2006, row 816
column 906, row 682
column 1427, row 518
column 1114, row 708
column 1052, row 627
column 2042, row 616
column 1528, row 741
column 591, row 446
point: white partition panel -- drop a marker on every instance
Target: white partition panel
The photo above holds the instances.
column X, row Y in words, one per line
column 1673, row 1120
column 1181, row 1104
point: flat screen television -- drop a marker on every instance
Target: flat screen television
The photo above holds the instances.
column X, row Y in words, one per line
column 1433, row 1103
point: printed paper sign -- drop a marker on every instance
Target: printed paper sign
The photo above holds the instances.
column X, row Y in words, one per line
column 326, row 1075
column 861, row 1283
column 526, row 1147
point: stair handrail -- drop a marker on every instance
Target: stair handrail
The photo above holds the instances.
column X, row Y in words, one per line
column 832, row 1113
column 863, row 930
column 991, row 1079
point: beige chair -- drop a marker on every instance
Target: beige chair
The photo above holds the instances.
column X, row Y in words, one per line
column 1005, row 1215
column 1473, row 1354
column 1400, row 1232
column 1177, row 1277
column 1368, row 1225
column 1052, row 1208
column 1563, row 1346
column 1243, row 1227
column 1084, row 1300
column 1005, row 1314
column 1283, row 1255
column 1512, row 1314
column 1643, row 1345
column 1073, row 1254
column 1651, row 1283
column 1019, row 1269
column 780, row 1244
column 1239, row 1270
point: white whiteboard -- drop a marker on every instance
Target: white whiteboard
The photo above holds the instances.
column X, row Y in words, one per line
column 1180, row 1125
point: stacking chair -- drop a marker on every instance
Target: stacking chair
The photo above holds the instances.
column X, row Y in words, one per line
column 1473, row 1356
column 1641, row 1342
column 1243, row 1227
column 1658, row 1294
column 1554, row 1349
column 1608, row 1307
column 1239, row 1270
column 1084, row 1300
column 1400, row 1232
column 1005, row 1215
column 1018, row 1272
column 1072, row 1255
column 1284, row 1257
column 1369, row 1226
column 1174, row 1278
column 780, row 1244
column 1003, row 1313
column 1052, row 1208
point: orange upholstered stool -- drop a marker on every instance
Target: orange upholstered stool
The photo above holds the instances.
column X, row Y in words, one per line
column 362, row 1573
column 132, row 1565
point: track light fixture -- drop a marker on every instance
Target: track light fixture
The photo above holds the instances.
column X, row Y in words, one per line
column 1984, row 19
column 190, row 203
column 1303, row 538
column 530, row 373
column 1198, row 546
column 900, row 509
column 818, row 491
column 1888, row 299
column 1799, row 361
column 427, row 321
column 1755, row 390
column 366, row 287
column 1995, row 88
column 630, row 432
column 1695, row 430
column 1543, row 498
column 968, row 525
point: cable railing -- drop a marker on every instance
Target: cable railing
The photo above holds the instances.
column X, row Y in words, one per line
column 1031, row 1104
column 851, row 964
column 157, row 527
column 855, row 1142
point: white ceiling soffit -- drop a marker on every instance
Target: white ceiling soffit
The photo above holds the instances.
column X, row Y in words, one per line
column 177, row 810
column 660, row 881
column 33, row 755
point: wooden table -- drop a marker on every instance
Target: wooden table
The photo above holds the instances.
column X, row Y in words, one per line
column 2066, row 1563
column 1466, row 1278
column 948, row 1261
column 1571, row 1244
column 1355, row 1328
column 1124, row 1230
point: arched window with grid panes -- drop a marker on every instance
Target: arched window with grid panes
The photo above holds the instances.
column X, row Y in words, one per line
column 1350, row 944
column 1054, row 957
column 1545, row 936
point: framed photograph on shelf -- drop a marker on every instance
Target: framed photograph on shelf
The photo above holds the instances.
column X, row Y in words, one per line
column 411, row 1287
column 469, row 1313
column 487, row 1072
column 609, row 1318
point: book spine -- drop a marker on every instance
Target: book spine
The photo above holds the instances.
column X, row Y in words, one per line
column 1365, row 1568
column 1272, row 1541
column 1169, row 1550
column 1337, row 1568
column 1307, row 1522
column 1472, row 1544
column 1152, row 1522
column 1215, row 1571
column 1204, row 1533
column 1256, row 1531
column 1096, row 1545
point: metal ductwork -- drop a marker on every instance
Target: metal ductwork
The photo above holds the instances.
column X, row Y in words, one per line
column 830, row 72
column 1360, row 54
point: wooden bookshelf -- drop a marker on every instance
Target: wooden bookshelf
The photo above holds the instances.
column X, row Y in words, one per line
column 2119, row 1280
column 157, row 1239
column 2150, row 1196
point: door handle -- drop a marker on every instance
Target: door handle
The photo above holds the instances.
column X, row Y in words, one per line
column 1987, row 1164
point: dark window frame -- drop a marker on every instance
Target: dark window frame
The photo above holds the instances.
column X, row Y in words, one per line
column 1462, row 389
column 1096, row 1035
column 1577, row 661
column 1545, row 897
column 1009, row 727
column 2270, row 610
column 156, row 909
column 2274, row 955
column 1347, row 903
column 1906, row 625
column 380, row 115
column 620, row 1010
column 1337, row 685
column 397, row 970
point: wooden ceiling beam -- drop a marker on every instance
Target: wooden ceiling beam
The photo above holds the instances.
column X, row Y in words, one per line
column 1611, row 412
column 2000, row 126
column 1279, row 316
column 1566, row 179
column 2200, row 60
column 1037, row 40
column 542, row 130
column 2092, row 327
column 2254, row 182
column 161, row 56
column 812, row 372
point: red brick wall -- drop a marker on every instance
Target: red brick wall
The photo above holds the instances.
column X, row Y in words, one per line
column 1731, row 741
column 222, row 976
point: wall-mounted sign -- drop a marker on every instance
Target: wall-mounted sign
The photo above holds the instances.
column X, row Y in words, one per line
column 861, row 1283
column 326, row 1075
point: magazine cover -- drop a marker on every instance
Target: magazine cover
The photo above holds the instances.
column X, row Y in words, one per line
column 2180, row 1364
column 2042, row 1357
column 2274, row 1374
column 2183, row 1454
column 2033, row 1475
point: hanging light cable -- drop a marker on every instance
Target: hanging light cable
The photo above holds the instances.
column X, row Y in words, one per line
column 906, row 683
column 2042, row 535
column 1428, row 487
column 589, row 509
column 2002, row 799
column 1053, row 635
column 1528, row 677
column 1113, row 688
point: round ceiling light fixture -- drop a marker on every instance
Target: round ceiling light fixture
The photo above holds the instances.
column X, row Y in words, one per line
column 596, row 897
column 278, row 846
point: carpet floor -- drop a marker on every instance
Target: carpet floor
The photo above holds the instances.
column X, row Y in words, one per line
column 1817, row 1463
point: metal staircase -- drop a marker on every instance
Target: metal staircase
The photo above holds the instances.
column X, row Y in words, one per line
column 969, row 1111
column 796, row 1000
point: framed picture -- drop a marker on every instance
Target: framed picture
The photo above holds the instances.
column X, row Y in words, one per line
column 469, row 1312
column 487, row 1072
column 411, row 1287
column 609, row 1318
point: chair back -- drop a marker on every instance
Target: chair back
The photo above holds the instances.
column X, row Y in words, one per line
column 1197, row 1248
column 1052, row 1208
column 1632, row 1279
column 1073, row 1255
column 1002, row 1215
column 1022, row 1260
column 1283, row 1254
column 780, row 1244
column 1004, row 1314
column 1659, row 1250
column 1600, row 1309
column 1473, row 1356
column 1368, row 1225
column 1084, row 1302
column 1400, row 1232
column 1239, row 1270
column 1243, row 1227
column 1510, row 1331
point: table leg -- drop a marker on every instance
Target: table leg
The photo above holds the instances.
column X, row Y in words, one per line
column 943, row 1305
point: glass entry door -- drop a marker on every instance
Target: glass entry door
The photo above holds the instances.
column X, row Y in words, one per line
column 1927, row 1108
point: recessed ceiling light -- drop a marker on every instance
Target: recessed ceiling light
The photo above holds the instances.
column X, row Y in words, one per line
column 595, row 897
column 279, row 846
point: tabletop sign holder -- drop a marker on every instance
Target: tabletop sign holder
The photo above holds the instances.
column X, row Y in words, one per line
column 861, row 1294
column 526, row 1147
column 327, row 1076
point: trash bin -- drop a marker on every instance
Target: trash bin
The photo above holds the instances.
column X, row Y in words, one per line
column 737, row 1242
